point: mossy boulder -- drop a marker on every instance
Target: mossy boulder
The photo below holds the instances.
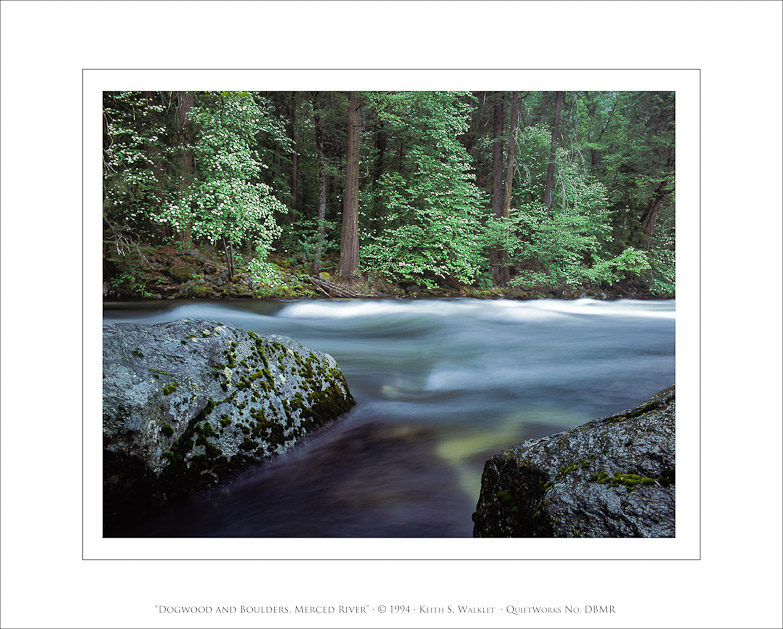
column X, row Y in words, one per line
column 189, row 403
column 182, row 271
column 611, row 477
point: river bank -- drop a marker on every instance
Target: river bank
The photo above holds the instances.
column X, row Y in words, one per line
column 167, row 272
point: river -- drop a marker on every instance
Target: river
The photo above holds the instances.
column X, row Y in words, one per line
column 440, row 385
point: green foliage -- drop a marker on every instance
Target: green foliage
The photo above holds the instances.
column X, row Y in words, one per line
column 265, row 272
column 426, row 167
column 568, row 246
column 432, row 205
column 301, row 238
column 629, row 144
column 133, row 280
column 277, row 283
column 532, row 156
column 661, row 275
column 227, row 201
column 135, row 147
column 630, row 260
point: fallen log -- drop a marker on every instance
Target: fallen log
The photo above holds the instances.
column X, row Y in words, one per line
column 332, row 290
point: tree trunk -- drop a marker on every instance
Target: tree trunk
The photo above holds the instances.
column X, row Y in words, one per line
column 319, row 145
column 497, row 185
column 349, row 243
column 229, row 255
column 651, row 216
column 185, row 100
column 550, row 171
column 294, row 169
column 278, row 116
column 511, row 149
column 502, row 273
column 497, row 161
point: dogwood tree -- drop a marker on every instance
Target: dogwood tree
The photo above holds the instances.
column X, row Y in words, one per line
column 227, row 203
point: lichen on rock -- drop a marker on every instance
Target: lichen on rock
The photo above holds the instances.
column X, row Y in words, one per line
column 184, row 410
column 611, row 477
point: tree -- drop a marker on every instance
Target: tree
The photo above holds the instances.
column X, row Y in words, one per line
column 631, row 142
column 185, row 101
column 512, row 142
column 319, row 143
column 502, row 274
column 567, row 246
column 294, row 157
column 553, row 148
column 632, row 137
column 495, row 253
column 137, row 139
column 433, row 207
column 654, row 206
column 349, row 242
column 227, row 203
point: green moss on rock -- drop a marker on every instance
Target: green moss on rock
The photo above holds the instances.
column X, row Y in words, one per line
column 629, row 480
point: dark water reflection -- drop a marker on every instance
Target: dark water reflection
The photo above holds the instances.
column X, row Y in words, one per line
column 441, row 386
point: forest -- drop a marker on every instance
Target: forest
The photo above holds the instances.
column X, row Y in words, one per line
column 296, row 194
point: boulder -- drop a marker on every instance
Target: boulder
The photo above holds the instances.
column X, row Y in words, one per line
column 181, row 271
column 611, row 477
column 187, row 404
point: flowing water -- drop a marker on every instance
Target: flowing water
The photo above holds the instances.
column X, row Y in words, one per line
column 440, row 387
